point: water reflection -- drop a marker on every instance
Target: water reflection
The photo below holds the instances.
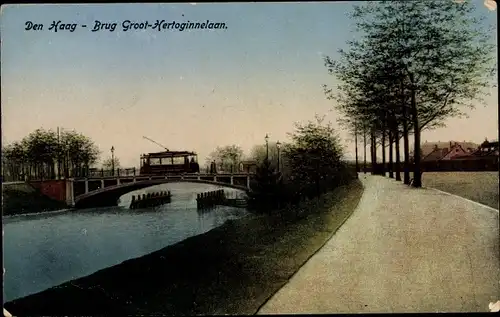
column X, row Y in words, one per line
column 44, row 250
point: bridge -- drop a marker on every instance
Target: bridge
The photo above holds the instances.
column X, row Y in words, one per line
column 100, row 191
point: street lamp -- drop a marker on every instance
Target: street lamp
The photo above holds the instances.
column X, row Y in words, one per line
column 113, row 159
column 267, row 147
column 278, row 146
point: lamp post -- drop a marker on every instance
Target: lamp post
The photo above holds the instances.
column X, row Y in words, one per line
column 113, row 159
column 267, row 147
column 278, row 146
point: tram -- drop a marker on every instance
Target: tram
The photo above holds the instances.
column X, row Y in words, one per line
column 169, row 162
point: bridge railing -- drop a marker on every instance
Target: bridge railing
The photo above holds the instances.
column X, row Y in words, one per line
column 128, row 172
column 80, row 173
column 116, row 172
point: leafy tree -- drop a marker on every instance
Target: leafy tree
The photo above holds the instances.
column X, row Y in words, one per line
column 314, row 155
column 258, row 154
column 355, row 128
column 81, row 149
column 418, row 62
column 14, row 161
column 228, row 157
column 311, row 165
column 110, row 163
column 43, row 152
column 77, row 152
column 267, row 185
column 41, row 146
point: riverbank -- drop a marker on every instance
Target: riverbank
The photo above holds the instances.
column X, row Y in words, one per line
column 34, row 214
column 232, row 269
column 20, row 199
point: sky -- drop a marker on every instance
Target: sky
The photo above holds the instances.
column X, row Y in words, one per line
column 191, row 90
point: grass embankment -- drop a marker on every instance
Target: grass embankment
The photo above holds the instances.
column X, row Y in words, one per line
column 232, row 269
column 24, row 199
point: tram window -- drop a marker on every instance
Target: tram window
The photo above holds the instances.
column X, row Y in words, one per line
column 154, row 161
column 166, row 161
column 178, row 160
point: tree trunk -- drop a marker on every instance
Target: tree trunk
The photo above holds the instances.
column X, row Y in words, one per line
column 67, row 169
column 364, row 151
column 382, row 170
column 417, row 176
column 406, row 145
column 406, row 148
column 398, row 155
column 58, row 166
column 87, row 172
column 373, row 152
column 391, row 161
column 356, row 147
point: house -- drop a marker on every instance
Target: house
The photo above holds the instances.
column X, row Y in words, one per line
column 456, row 150
column 436, row 151
column 435, row 155
column 485, row 150
column 488, row 148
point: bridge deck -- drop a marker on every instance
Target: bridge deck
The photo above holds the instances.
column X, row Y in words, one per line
column 108, row 193
column 147, row 176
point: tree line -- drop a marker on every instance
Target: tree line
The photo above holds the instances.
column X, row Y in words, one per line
column 311, row 164
column 47, row 154
column 228, row 158
column 412, row 65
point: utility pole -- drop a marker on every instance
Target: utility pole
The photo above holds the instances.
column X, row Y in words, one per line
column 113, row 159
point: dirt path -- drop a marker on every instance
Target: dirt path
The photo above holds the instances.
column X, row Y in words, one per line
column 402, row 250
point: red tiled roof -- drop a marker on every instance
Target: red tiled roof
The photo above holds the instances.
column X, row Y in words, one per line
column 428, row 147
column 453, row 150
column 435, row 155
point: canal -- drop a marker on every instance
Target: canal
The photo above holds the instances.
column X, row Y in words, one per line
column 45, row 250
